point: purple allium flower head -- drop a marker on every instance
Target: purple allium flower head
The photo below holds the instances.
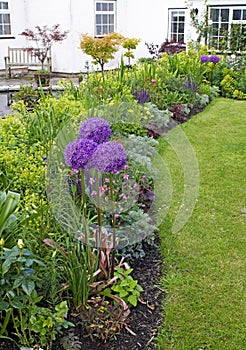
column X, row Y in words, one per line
column 95, row 129
column 141, row 96
column 204, row 58
column 78, row 152
column 109, row 157
column 214, row 59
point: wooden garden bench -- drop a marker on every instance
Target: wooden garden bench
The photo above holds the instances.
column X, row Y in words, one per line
column 21, row 57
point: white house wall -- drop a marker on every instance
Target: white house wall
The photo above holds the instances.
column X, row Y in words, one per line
column 143, row 19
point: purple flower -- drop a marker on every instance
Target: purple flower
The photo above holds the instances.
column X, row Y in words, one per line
column 95, row 129
column 109, row 157
column 214, row 59
column 204, row 59
column 189, row 84
column 78, row 152
column 141, row 96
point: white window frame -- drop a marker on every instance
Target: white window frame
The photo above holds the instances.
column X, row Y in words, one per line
column 231, row 21
column 174, row 34
column 104, row 15
column 3, row 24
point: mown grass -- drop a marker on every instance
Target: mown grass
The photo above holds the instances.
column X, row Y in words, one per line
column 205, row 280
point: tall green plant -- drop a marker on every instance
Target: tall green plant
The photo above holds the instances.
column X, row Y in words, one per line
column 8, row 204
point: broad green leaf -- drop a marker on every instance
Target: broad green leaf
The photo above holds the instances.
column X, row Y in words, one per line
column 28, row 287
column 17, row 305
column 133, row 300
column 3, row 305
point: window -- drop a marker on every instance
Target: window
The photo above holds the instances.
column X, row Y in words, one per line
column 5, row 27
column 227, row 28
column 177, row 25
column 105, row 17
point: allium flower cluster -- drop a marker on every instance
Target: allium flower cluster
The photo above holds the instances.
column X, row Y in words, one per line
column 204, row 59
column 95, row 129
column 109, row 157
column 214, row 59
column 93, row 150
column 78, row 152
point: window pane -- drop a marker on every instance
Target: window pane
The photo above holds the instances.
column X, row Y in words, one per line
column 105, row 29
column 98, row 30
column 181, row 38
column 174, row 27
column 8, row 29
column 104, row 19
column 181, row 28
column 244, row 15
column 225, row 15
column 174, row 37
column 98, row 6
column 3, row 5
column 6, row 19
column 214, row 15
column 215, row 29
column 104, row 6
column 111, row 19
column 111, row 7
column 236, row 14
column 111, row 28
column 98, row 19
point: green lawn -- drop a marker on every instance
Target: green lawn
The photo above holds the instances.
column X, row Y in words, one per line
column 205, row 306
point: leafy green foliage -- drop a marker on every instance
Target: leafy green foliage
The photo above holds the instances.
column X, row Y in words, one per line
column 101, row 49
column 102, row 319
column 8, row 205
column 126, row 287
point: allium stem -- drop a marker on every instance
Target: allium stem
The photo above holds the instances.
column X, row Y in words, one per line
column 83, row 193
column 99, row 214
column 113, row 223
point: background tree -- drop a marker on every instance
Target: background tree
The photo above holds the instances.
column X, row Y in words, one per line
column 101, row 49
column 130, row 44
column 44, row 37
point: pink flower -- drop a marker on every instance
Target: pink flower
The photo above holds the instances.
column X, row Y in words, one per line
column 123, row 196
column 93, row 193
column 144, row 176
column 91, row 181
column 116, row 215
column 126, row 167
column 125, row 176
column 101, row 190
column 106, row 180
column 153, row 81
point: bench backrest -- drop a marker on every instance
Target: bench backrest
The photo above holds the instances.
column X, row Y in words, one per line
column 22, row 56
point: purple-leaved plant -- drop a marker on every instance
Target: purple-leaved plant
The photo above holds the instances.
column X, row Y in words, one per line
column 95, row 129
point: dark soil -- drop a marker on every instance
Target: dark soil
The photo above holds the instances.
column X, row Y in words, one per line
column 145, row 319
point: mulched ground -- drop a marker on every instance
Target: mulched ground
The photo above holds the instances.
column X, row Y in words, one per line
column 145, row 319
